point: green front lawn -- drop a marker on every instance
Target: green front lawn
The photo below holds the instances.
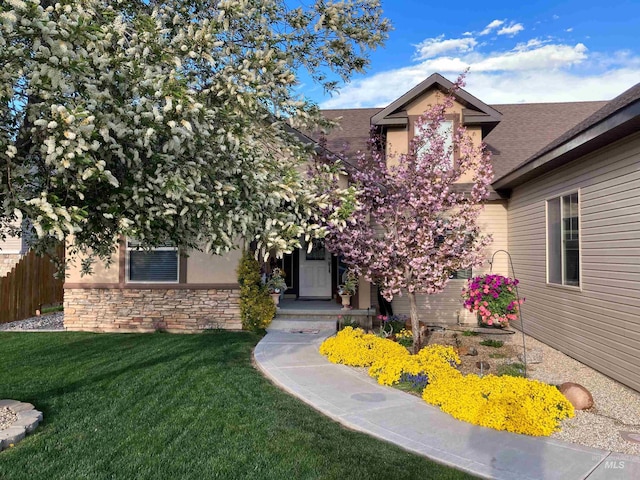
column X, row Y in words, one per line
column 162, row 406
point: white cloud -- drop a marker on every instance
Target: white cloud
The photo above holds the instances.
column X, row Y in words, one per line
column 492, row 26
column 432, row 47
column 543, row 57
column 531, row 43
column 511, row 30
column 532, row 71
column 555, row 86
column 570, row 29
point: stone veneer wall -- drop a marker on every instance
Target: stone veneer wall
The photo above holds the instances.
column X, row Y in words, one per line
column 147, row 310
column 8, row 261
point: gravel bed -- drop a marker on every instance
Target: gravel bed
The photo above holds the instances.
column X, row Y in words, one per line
column 51, row 321
column 616, row 408
column 7, row 417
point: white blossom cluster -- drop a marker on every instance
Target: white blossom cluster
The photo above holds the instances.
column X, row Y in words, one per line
column 168, row 121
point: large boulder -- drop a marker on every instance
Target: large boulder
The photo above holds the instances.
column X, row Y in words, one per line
column 579, row 396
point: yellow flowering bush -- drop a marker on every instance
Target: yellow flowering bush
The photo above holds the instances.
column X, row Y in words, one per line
column 404, row 333
column 405, row 338
column 433, row 360
column 514, row 404
column 351, row 346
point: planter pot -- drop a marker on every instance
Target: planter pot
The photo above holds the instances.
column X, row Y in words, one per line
column 346, row 302
column 503, row 325
column 276, row 299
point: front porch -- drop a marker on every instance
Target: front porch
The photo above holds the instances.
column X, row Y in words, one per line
column 299, row 314
column 312, row 278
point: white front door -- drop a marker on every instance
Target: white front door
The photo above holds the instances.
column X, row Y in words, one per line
column 315, row 271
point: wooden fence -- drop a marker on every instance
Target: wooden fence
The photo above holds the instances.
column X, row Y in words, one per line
column 28, row 286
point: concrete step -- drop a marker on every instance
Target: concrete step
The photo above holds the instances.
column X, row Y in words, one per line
column 319, row 314
column 302, row 324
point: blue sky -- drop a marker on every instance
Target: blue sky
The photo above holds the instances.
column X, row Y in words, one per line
column 531, row 51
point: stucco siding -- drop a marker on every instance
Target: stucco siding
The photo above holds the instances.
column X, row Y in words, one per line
column 208, row 268
column 201, row 268
column 598, row 323
column 101, row 273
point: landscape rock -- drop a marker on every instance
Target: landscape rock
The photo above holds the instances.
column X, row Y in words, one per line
column 473, row 351
column 53, row 321
column 11, row 436
column 483, row 366
column 16, row 420
column 579, row 396
column 533, row 357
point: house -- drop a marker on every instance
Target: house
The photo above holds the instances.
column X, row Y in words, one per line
column 12, row 249
column 574, row 236
column 565, row 205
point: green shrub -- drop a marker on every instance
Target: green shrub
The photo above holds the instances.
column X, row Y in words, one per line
column 256, row 307
column 511, row 369
column 469, row 333
column 347, row 321
column 492, row 343
column 394, row 323
column 55, row 308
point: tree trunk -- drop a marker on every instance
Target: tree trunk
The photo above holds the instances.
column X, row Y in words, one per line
column 415, row 323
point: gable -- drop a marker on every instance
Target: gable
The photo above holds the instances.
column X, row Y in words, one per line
column 512, row 132
column 473, row 111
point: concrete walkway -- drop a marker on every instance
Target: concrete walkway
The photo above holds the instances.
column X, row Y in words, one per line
column 349, row 396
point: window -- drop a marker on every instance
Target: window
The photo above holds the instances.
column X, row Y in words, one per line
column 156, row 265
column 463, row 274
column 445, row 130
column 318, row 250
column 563, row 245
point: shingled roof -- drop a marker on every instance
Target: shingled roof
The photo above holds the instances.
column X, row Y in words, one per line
column 525, row 129
column 353, row 133
column 626, row 98
column 616, row 119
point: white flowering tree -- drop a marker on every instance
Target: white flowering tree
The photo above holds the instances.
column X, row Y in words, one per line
column 168, row 121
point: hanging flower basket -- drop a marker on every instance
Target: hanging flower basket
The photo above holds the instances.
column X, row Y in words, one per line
column 493, row 298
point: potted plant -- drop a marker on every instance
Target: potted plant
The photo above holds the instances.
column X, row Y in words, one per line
column 493, row 298
column 276, row 285
column 348, row 289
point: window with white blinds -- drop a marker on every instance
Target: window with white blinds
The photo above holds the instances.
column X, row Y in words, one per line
column 160, row 264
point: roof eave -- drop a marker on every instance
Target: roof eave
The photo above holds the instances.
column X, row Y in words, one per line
column 618, row 125
column 393, row 121
column 438, row 81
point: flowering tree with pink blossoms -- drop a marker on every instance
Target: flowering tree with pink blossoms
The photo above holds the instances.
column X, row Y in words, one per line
column 415, row 222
